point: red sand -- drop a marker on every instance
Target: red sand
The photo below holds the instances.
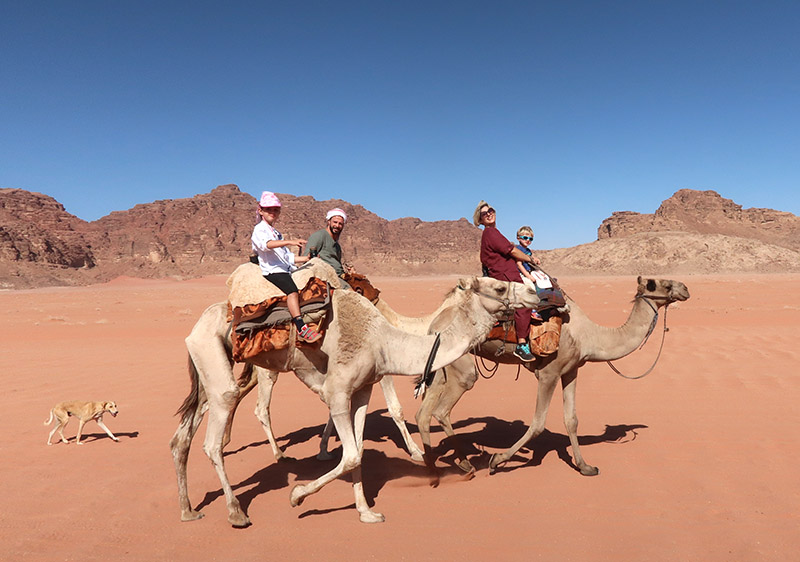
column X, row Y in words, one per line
column 698, row 461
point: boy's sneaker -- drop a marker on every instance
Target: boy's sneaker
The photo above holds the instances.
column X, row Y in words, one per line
column 536, row 316
column 308, row 334
column 523, row 352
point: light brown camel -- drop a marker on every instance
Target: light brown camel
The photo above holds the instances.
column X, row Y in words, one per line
column 581, row 341
column 360, row 347
column 266, row 380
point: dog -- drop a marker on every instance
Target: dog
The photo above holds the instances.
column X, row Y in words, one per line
column 84, row 411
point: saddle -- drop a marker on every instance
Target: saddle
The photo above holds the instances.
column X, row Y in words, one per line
column 267, row 326
column 544, row 335
column 361, row 285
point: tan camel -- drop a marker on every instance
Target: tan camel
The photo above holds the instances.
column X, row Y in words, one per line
column 266, row 380
column 581, row 341
column 360, row 347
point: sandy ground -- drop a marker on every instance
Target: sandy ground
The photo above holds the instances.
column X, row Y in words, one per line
column 698, row 460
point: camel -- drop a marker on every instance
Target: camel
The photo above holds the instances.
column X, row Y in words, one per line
column 582, row 341
column 266, row 379
column 359, row 347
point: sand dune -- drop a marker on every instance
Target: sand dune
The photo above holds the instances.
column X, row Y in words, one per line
column 698, row 460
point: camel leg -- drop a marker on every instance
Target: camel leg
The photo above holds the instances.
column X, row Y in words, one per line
column 360, row 402
column 569, row 383
column 323, row 454
column 266, row 383
column 544, row 395
column 447, row 389
column 180, row 444
column 396, row 411
column 243, row 391
column 461, row 377
column 339, row 403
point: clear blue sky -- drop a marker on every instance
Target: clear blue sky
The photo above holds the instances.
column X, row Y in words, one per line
column 557, row 113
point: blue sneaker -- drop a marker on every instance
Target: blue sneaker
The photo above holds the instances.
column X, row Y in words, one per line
column 523, row 352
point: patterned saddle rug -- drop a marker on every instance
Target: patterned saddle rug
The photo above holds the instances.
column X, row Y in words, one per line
column 267, row 326
column 544, row 335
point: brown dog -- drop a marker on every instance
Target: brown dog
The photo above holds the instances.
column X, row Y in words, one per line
column 84, row 411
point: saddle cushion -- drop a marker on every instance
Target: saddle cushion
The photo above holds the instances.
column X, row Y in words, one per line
column 267, row 326
column 544, row 336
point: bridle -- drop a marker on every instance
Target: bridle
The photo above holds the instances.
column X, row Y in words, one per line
column 649, row 300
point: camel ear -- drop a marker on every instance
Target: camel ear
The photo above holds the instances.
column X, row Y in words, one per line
column 466, row 282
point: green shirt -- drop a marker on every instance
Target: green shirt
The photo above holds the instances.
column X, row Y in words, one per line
column 321, row 244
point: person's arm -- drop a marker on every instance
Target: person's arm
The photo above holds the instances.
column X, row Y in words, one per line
column 524, row 272
column 313, row 246
column 519, row 255
column 280, row 243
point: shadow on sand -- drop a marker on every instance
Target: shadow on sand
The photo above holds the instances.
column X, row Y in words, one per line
column 380, row 468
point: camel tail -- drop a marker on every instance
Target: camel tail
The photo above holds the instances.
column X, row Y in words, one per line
column 190, row 403
column 48, row 422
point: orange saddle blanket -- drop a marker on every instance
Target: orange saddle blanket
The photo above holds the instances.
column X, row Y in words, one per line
column 267, row 326
column 544, row 336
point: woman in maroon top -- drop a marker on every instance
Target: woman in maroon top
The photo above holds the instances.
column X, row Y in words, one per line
column 499, row 257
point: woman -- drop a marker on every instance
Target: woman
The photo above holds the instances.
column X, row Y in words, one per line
column 499, row 258
column 277, row 262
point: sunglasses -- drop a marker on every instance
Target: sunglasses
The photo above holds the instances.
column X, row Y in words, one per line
column 488, row 211
column 526, row 238
column 273, row 210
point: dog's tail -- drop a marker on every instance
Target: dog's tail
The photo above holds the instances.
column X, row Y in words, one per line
column 48, row 422
column 190, row 403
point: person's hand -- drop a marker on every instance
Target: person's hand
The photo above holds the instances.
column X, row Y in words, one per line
column 534, row 260
column 298, row 242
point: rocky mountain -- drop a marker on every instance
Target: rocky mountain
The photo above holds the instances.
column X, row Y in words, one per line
column 691, row 232
column 41, row 244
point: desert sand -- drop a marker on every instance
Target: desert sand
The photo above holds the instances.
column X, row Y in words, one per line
column 698, row 460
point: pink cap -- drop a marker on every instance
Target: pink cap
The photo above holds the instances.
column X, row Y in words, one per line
column 269, row 199
column 336, row 213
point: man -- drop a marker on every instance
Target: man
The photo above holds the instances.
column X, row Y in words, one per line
column 324, row 243
column 499, row 258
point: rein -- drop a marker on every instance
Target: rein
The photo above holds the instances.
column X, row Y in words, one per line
column 649, row 331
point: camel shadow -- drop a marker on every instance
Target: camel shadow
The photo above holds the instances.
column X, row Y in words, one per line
column 499, row 434
column 380, row 468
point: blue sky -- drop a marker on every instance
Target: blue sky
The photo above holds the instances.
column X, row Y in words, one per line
column 557, row 113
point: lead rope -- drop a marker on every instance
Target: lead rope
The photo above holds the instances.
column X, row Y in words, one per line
column 649, row 331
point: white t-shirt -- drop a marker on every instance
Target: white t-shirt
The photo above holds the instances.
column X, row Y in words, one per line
column 271, row 260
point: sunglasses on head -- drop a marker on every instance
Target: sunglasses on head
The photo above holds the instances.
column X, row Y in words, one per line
column 488, row 211
column 526, row 238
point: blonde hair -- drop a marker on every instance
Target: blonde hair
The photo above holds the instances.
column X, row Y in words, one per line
column 525, row 230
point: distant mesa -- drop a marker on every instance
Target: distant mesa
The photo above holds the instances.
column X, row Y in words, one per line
column 691, row 232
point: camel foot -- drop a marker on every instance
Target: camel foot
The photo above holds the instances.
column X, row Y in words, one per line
column 116, row 440
column 324, row 456
column 297, row 496
column 417, row 456
column 371, row 517
column 191, row 515
column 469, row 475
column 465, row 466
column 494, row 462
column 238, row 519
column 588, row 470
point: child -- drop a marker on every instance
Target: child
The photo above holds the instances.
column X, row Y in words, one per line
column 525, row 237
column 277, row 262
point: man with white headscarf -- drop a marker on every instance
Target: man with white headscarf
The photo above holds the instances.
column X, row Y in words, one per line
column 324, row 243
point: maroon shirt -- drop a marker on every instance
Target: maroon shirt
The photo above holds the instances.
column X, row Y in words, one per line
column 496, row 255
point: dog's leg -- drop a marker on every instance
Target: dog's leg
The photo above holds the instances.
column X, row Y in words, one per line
column 62, row 423
column 80, row 430
column 56, row 428
column 108, row 431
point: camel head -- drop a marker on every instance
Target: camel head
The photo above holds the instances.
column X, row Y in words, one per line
column 662, row 291
column 500, row 297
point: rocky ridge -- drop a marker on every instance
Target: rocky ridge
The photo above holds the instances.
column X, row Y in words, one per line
column 42, row 244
